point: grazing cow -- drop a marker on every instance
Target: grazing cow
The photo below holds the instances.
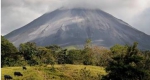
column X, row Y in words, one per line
column 24, row 68
column 17, row 74
column 7, row 77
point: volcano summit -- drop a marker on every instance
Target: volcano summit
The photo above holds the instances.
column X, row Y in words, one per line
column 66, row 27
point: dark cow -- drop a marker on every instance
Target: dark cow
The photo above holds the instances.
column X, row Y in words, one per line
column 24, row 68
column 17, row 74
column 7, row 77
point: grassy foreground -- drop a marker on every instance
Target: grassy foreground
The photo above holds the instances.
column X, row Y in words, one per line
column 61, row 72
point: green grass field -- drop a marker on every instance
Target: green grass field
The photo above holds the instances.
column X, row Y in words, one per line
column 61, row 72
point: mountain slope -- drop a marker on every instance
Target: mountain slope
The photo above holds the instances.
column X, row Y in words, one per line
column 67, row 27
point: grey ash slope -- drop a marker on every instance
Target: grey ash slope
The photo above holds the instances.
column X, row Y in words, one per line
column 67, row 27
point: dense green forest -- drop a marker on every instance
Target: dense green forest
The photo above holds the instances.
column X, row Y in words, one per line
column 121, row 62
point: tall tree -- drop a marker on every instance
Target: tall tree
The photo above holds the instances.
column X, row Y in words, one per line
column 87, row 53
column 8, row 51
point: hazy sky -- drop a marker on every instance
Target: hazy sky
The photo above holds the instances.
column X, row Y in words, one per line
column 17, row 13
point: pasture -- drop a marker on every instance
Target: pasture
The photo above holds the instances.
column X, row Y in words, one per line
column 60, row 72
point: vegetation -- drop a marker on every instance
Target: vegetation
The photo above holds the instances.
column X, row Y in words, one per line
column 121, row 62
column 8, row 53
column 128, row 65
column 67, row 72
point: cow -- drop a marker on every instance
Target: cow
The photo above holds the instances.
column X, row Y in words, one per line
column 24, row 68
column 17, row 74
column 7, row 77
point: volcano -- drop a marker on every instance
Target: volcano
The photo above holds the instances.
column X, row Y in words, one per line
column 68, row 27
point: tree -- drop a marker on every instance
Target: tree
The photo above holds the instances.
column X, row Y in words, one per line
column 45, row 56
column 128, row 66
column 62, row 57
column 87, row 53
column 55, row 50
column 8, row 52
column 101, row 56
column 54, row 47
column 7, row 47
column 88, row 43
column 29, row 50
column 75, row 56
column 88, row 58
column 146, row 63
column 118, row 49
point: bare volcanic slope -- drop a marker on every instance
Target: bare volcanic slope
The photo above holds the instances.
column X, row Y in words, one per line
column 67, row 27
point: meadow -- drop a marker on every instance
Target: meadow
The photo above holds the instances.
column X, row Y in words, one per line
column 59, row 72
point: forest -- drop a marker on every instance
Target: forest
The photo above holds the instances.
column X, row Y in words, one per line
column 121, row 62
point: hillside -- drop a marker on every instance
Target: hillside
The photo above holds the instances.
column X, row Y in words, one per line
column 62, row 72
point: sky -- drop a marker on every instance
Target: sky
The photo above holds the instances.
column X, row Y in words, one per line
column 17, row 13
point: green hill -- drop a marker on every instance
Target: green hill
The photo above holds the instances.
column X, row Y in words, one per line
column 61, row 72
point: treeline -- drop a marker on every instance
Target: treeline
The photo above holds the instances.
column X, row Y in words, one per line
column 31, row 54
column 122, row 62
